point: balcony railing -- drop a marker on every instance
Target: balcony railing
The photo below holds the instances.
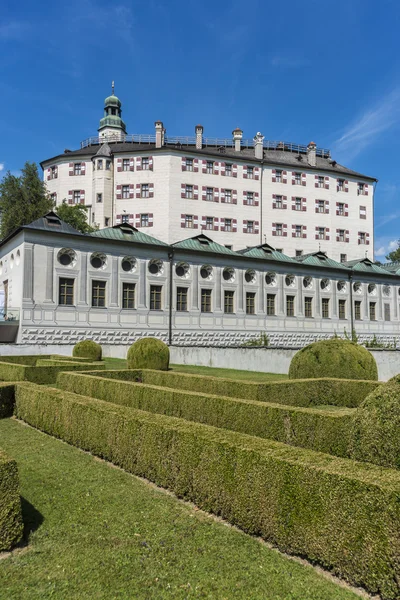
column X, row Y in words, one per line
column 219, row 143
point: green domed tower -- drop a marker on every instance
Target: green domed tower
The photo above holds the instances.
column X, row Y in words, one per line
column 112, row 126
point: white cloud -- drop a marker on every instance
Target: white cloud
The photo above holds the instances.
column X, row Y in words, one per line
column 385, row 248
column 1, row 167
column 369, row 125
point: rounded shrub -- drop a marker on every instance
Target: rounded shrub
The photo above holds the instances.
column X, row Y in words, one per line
column 148, row 353
column 87, row 349
column 337, row 358
column 376, row 426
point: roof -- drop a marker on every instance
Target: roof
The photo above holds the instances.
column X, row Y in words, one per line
column 366, row 265
column 273, row 157
column 265, row 252
column 52, row 222
column 127, row 233
column 320, row 259
column 104, row 150
column 202, row 243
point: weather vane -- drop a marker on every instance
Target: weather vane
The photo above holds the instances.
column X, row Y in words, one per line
column 112, row 87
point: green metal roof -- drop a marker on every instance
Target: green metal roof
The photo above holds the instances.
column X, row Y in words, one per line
column 266, row 252
column 319, row 259
column 393, row 268
column 112, row 101
column 365, row 265
column 202, row 243
column 127, row 233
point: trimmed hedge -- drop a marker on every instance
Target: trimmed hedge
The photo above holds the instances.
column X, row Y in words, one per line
column 43, row 374
column 333, row 358
column 11, row 526
column 303, row 392
column 7, row 399
column 322, row 430
column 343, row 514
column 376, row 427
column 87, row 349
column 148, row 353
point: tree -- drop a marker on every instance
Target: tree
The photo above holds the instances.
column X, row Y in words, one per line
column 23, row 199
column 395, row 255
column 75, row 215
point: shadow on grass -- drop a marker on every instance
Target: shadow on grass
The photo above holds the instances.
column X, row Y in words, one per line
column 32, row 519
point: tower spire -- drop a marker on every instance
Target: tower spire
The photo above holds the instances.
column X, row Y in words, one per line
column 112, row 87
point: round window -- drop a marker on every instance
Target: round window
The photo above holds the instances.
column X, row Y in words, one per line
column 325, row 284
column 11, row 261
column 98, row 260
column 128, row 264
column 270, row 279
column 250, row 276
column 307, row 282
column 386, row 290
column 228, row 274
column 371, row 288
column 66, row 257
column 182, row 270
column 341, row 286
column 206, row 272
column 357, row 287
column 18, row 258
column 289, row 280
column 156, row 267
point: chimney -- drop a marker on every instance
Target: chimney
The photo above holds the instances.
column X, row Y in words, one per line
column 159, row 134
column 312, row 154
column 237, row 137
column 258, row 145
column 199, row 136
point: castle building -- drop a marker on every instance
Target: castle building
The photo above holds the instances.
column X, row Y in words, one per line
column 242, row 193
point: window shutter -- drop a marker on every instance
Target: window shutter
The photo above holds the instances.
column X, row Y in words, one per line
column 195, row 192
column 119, row 164
column 83, row 168
column 204, row 192
column 256, row 201
column 245, row 198
column 71, row 168
column 316, row 181
column 222, row 196
column 234, row 196
column 304, row 179
column 151, row 190
column 48, row 174
column 316, row 206
column 366, row 189
column 216, row 224
column 284, row 201
column 274, row 229
column 244, row 171
column 256, row 227
column 222, row 168
column 284, row 227
column 195, row 222
column 284, row 176
column 273, row 175
column 234, row 225
column 346, row 186
column 138, row 163
column 256, row 173
column 196, row 165
column 347, row 236
column 183, row 221
column 118, row 219
column 222, row 224
column 70, row 196
column 216, row 168
column 131, row 219
column 337, row 209
column 327, row 207
column 150, row 163
column 273, row 203
column 346, row 210
column 367, row 239
column 150, row 219
column 234, row 170
column 244, row 226
column 304, row 229
column 204, row 169
column 82, row 199
column 293, row 231
column 337, row 235
column 293, row 203
column 137, row 221
column 131, row 164
column 132, row 190
column 183, row 163
column 119, row 192
column 203, row 222
column 304, row 204
column 138, row 190
column 327, row 230
column 316, row 233
column 293, row 178
column 327, row 183
column 216, row 195
column 183, row 190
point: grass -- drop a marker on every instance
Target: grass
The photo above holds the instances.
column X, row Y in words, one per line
column 119, row 363
column 96, row 532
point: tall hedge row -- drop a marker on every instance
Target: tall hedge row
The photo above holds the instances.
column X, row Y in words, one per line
column 342, row 514
column 43, row 374
column 325, row 431
column 11, row 526
column 7, row 398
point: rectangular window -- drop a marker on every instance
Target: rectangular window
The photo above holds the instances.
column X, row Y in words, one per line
column 125, row 219
column 321, row 206
column 270, row 305
column 189, row 221
column 210, row 223
column 325, row 308
column 144, row 190
column 361, row 237
column 229, row 246
column 155, row 297
column 77, row 168
column 106, row 221
column 321, row 233
column 210, row 194
column 228, row 224
column 357, row 310
column 77, row 196
column 189, row 164
column 340, row 209
column 228, row 196
column 343, row 258
column 250, row 198
column 321, row 181
column 53, row 197
column 228, row 301
column 99, row 197
column 53, row 173
column 308, row 307
column 279, row 229
column 342, row 309
column 205, row 301
column 250, row 226
column 145, row 163
column 372, row 311
column 181, row 299
column 297, row 178
column 341, row 235
column 299, row 252
column 363, row 212
column 290, row 306
column 386, row 310
column 189, row 191
column 210, row 167
column 125, row 164
column 298, row 231
column 360, row 189
column 250, row 172
column 278, row 201
column 98, row 294
column 108, row 165
column 278, row 176
column 66, row 292
column 340, row 185
column 128, row 295
column 228, row 170
column 100, row 164
column 250, row 303
column 125, row 191
column 297, row 204
column 144, row 220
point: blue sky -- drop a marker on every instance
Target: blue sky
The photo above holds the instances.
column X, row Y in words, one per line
column 327, row 71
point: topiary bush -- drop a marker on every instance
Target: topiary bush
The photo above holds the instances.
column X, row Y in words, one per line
column 336, row 358
column 87, row 349
column 148, row 353
column 375, row 432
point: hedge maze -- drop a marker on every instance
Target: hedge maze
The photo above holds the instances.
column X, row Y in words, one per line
column 42, row 369
column 277, row 459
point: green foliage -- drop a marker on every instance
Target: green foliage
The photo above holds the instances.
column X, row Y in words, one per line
column 23, row 199
column 76, row 216
column 352, row 338
column 325, row 431
column 148, row 353
column 375, row 344
column 44, row 370
column 7, row 399
column 394, row 256
column 342, row 514
column 376, row 426
column 261, row 340
column 87, row 349
column 333, row 358
column 11, row 526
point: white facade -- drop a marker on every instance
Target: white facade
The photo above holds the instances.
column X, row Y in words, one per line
column 242, row 193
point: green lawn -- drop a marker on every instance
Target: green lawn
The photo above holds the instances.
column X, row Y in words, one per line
column 100, row 533
column 119, row 363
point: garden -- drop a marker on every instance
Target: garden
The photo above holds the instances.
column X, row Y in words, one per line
column 310, row 464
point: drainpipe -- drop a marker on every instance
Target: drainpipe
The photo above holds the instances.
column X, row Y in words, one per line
column 170, row 258
column 351, row 304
